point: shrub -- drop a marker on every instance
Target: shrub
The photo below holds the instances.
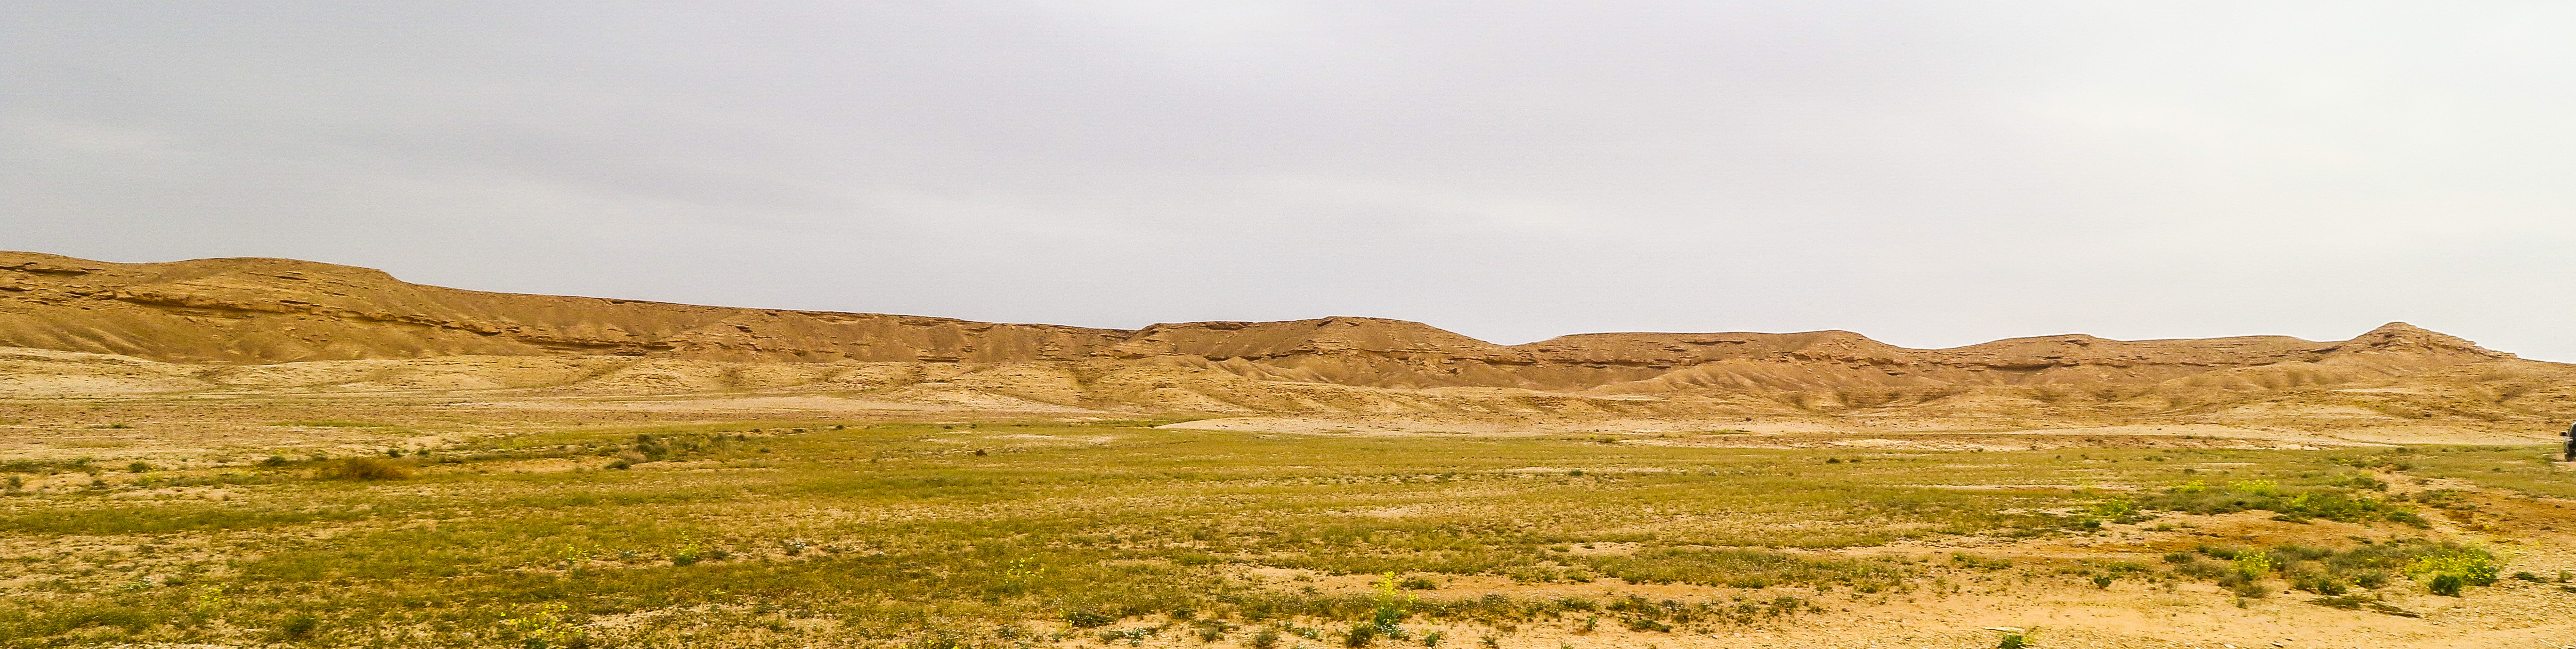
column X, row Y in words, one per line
column 2116, row 511
column 1088, row 619
column 2253, row 565
column 1266, row 639
column 2013, row 640
column 2319, row 584
column 366, row 468
column 1211, row 630
column 2474, row 566
column 2250, row 589
column 2447, row 584
column 1360, row 635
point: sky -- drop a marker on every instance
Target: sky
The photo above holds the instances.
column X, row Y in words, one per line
column 1930, row 174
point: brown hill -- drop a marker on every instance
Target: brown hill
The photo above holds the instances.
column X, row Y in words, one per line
column 276, row 324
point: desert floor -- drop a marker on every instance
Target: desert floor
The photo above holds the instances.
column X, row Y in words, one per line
column 429, row 520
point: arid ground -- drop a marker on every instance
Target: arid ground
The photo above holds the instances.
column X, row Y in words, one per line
column 272, row 453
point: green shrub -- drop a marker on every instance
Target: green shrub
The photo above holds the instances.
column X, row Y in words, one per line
column 2318, row 583
column 2447, row 584
column 2013, row 640
column 2474, row 566
column 1088, row 619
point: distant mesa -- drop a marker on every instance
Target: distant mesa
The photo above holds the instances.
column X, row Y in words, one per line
column 255, row 311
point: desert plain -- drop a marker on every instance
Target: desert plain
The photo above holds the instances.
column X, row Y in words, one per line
column 275, row 453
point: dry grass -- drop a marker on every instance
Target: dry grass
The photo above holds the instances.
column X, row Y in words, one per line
column 768, row 534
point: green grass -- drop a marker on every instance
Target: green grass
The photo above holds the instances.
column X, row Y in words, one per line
column 878, row 533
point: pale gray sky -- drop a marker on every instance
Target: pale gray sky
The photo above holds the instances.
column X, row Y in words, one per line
column 1927, row 173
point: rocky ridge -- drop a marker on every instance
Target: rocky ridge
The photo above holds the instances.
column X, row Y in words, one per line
column 245, row 323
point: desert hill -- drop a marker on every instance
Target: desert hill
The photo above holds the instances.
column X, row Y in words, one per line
column 269, row 325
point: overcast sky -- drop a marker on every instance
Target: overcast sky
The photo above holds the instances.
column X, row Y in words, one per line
column 1930, row 174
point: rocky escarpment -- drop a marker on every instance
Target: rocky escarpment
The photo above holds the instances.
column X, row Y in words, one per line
column 279, row 310
column 263, row 311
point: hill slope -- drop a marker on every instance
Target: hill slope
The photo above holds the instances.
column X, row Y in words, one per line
column 276, row 324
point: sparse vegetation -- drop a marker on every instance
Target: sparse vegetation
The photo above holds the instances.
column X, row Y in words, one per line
column 2335, row 573
column 690, row 537
column 2325, row 500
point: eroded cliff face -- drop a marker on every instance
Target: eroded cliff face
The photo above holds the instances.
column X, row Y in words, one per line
column 279, row 310
column 268, row 311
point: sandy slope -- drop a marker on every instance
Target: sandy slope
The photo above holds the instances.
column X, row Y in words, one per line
column 227, row 328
